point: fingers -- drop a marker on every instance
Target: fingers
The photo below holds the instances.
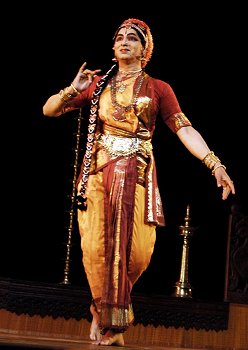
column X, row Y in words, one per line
column 86, row 75
column 228, row 187
column 88, row 72
column 91, row 73
column 81, row 69
column 223, row 180
column 231, row 185
column 226, row 191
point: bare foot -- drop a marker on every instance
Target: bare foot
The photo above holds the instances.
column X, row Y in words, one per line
column 111, row 338
column 94, row 328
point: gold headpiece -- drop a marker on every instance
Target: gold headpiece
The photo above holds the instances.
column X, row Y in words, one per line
column 145, row 33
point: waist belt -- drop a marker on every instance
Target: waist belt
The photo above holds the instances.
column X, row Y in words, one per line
column 118, row 146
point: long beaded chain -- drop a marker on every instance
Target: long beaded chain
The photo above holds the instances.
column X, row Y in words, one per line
column 120, row 110
column 81, row 198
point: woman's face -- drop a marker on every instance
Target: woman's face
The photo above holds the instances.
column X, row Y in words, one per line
column 127, row 45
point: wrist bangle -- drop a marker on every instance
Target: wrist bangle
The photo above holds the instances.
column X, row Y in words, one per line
column 65, row 96
column 218, row 166
column 210, row 160
column 76, row 90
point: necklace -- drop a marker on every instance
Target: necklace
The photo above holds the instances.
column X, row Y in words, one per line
column 125, row 75
column 121, row 86
column 120, row 110
column 129, row 72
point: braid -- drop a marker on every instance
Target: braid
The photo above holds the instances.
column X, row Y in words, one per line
column 81, row 199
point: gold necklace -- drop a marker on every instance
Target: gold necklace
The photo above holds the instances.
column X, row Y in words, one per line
column 129, row 72
column 124, row 75
column 121, row 86
column 120, row 110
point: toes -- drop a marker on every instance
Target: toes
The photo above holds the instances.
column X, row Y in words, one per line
column 115, row 339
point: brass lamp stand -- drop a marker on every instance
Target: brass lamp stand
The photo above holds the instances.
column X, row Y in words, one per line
column 72, row 213
column 183, row 287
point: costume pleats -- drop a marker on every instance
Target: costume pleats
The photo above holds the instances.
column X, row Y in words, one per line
column 117, row 244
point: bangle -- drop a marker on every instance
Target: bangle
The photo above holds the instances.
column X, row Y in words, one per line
column 218, row 166
column 65, row 96
column 76, row 90
column 210, row 160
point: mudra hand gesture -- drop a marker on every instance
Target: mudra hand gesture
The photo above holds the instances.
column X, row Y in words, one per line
column 224, row 181
column 84, row 78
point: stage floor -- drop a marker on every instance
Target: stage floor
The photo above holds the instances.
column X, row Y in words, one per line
column 12, row 342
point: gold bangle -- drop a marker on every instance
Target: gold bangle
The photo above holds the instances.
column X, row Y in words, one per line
column 65, row 96
column 210, row 160
column 76, row 90
column 218, row 166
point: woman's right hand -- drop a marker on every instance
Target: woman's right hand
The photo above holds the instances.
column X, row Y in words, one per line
column 55, row 104
column 84, row 78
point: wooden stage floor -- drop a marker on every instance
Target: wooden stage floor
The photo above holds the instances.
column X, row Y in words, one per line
column 12, row 342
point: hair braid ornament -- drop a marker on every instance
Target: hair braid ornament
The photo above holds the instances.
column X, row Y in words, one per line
column 81, row 198
column 145, row 35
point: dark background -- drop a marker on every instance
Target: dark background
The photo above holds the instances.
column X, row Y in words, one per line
column 200, row 51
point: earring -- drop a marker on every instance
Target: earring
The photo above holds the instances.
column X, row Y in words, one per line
column 114, row 59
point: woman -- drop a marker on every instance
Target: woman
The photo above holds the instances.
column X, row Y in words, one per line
column 119, row 204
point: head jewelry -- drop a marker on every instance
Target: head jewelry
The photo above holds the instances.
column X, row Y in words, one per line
column 145, row 35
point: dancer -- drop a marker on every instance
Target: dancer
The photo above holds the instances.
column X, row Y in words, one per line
column 119, row 204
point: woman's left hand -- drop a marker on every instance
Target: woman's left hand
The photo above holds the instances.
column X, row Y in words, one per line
column 223, row 180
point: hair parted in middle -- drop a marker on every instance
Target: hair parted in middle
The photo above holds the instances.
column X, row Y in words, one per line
column 144, row 34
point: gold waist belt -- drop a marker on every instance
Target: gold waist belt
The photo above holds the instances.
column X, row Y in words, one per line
column 117, row 146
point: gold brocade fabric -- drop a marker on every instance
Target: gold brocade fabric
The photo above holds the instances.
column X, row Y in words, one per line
column 111, row 146
column 114, row 138
column 121, row 241
column 91, row 228
column 124, row 206
column 106, row 110
column 124, row 129
column 178, row 121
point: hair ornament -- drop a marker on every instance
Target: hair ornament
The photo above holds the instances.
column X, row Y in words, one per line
column 145, row 34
